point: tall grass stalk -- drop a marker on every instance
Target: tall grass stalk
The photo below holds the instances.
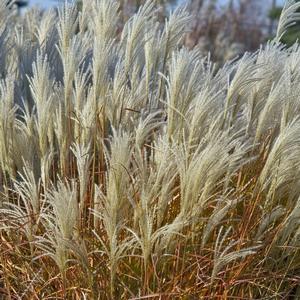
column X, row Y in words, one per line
column 132, row 167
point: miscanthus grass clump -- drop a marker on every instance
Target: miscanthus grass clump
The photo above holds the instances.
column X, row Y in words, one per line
column 133, row 168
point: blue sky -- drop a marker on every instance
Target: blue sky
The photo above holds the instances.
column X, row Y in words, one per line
column 42, row 3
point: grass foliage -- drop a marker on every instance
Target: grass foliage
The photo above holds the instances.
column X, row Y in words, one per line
column 133, row 168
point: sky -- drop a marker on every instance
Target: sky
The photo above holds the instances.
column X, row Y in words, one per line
column 42, row 3
column 49, row 3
